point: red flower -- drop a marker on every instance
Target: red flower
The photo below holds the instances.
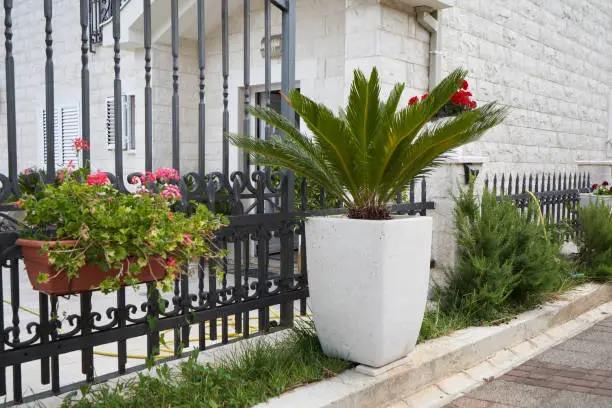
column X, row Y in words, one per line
column 80, row 144
column 171, row 215
column 594, row 186
column 171, row 262
column 147, row 177
column 27, row 172
column 97, row 179
column 465, row 84
column 60, row 175
column 605, row 183
column 413, row 100
column 473, row 105
column 424, row 97
column 166, row 174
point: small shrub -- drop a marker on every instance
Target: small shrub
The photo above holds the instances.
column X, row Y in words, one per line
column 506, row 260
column 595, row 240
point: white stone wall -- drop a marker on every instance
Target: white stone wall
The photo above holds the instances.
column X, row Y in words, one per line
column 550, row 62
column 29, row 54
column 162, row 84
column 391, row 40
column 319, row 66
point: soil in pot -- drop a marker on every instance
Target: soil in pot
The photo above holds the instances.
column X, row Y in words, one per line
column 90, row 276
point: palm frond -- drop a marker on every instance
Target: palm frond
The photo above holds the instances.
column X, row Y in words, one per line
column 287, row 154
column 363, row 117
column 415, row 159
column 370, row 150
column 409, row 121
column 331, row 134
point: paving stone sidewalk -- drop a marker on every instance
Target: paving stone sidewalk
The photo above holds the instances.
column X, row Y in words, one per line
column 573, row 374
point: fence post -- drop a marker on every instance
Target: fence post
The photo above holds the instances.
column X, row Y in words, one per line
column 288, row 83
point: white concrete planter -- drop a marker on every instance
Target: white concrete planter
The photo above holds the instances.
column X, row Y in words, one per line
column 368, row 285
column 586, row 199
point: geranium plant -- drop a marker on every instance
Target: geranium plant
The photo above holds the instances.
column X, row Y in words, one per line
column 92, row 223
column 32, row 180
column 601, row 189
column 461, row 101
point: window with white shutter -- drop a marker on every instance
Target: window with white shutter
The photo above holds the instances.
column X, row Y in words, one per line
column 67, row 128
column 128, row 125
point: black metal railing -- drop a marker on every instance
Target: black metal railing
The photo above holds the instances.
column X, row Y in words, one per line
column 41, row 330
column 558, row 193
column 100, row 12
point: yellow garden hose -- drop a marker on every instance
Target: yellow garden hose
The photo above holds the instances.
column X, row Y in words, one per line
column 25, row 309
column 164, row 349
column 541, row 215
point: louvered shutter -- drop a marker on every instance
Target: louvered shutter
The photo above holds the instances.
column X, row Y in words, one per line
column 67, row 127
column 110, row 123
column 127, row 122
column 57, row 135
column 71, row 130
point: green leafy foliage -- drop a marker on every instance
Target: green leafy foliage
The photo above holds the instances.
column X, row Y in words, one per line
column 372, row 149
column 505, row 260
column 112, row 230
column 254, row 373
column 595, row 240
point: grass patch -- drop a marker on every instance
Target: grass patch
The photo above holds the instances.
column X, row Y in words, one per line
column 256, row 372
column 437, row 324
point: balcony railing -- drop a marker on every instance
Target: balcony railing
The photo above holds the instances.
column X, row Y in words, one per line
column 100, row 11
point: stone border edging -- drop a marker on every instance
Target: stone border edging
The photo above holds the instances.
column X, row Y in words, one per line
column 440, row 358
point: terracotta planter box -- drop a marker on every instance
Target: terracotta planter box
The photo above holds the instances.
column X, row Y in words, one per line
column 90, row 276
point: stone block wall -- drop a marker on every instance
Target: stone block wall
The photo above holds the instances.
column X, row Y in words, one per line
column 319, row 67
column 550, row 62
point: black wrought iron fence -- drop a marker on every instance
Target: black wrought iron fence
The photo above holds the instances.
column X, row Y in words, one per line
column 41, row 330
column 558, row 194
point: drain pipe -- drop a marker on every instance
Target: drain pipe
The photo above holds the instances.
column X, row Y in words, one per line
column 427, row 17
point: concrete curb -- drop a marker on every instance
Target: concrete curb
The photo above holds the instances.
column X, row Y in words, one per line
column 441, row 358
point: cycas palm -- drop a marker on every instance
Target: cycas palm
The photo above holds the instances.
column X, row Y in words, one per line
column 371, row 150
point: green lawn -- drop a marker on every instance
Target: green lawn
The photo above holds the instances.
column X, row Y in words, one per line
column 253, row 374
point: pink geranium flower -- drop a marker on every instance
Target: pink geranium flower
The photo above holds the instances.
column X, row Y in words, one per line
column 171, row 191
column 80, row 144
column 97, row 179
column 166, row 174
